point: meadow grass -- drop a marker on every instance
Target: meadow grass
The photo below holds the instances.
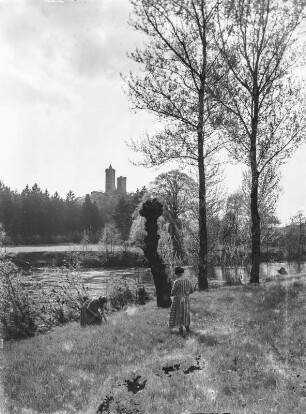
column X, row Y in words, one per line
column 248, row 343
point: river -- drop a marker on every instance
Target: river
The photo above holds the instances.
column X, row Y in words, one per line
column 94, row 279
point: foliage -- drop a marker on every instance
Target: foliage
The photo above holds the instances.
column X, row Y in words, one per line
column 235, row 229
column 18, row 311
column 3, row 236
column 36, row 217
column 178, row 194
column 123, row 216
column 165, row 243
column 259, row 91
column 90, row 216
column 110, row 237
column 178, row 228
column 130, row 257
column 28, row 307
column 137, row 231
column 232, row 276
column 176, row 65
column 125, row 292
column 292, row 240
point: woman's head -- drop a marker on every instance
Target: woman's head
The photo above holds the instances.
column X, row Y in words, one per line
column 178, row 270
column 102, row 300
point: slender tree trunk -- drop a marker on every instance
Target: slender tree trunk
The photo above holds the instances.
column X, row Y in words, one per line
column 176, row 237
column 255, row 259
column 203, row 250
column 255, row 218
column 151, row 210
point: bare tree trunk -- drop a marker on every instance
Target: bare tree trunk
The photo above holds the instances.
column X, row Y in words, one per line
column 255, row 218
column 255, row 229
column 203, row 249
column 175, row 229
column 151, row 210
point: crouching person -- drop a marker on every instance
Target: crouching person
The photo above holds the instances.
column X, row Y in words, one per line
column 93, row 311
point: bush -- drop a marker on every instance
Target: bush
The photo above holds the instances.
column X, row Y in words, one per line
column 27, row 307
column 62, row 303
column 232, row 276
column 124, row 292
column 18, row 313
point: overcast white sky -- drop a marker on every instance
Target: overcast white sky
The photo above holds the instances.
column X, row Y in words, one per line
column 64, row 117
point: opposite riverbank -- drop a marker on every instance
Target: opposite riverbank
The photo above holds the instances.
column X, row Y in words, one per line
column 245, row 354
column 94, row 257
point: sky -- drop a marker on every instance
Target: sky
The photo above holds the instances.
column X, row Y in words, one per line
column 63, row 113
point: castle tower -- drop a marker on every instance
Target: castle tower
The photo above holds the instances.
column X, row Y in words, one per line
column 121, row 185
column 110, row 180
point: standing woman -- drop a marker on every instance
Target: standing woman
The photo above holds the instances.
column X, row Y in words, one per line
column 92, row 311
column 180, row 308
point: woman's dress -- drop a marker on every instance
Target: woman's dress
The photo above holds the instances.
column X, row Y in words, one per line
column 180, row 308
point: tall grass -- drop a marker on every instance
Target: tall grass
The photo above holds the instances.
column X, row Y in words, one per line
column 28, row 307
column 250, row 340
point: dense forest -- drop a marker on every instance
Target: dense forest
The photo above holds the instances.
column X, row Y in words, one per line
column 34, row 216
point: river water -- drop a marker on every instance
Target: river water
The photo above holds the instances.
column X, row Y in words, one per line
column 266, row 270
column 95, row 279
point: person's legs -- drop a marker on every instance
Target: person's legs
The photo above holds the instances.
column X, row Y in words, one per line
column 182, row 330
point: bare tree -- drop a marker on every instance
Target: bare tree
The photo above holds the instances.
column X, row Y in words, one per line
column 269, row 190
column 265, row 115
column 110, row 236
column 176, row 68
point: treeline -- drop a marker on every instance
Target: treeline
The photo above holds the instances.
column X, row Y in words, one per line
column 229, row 223
column 34, row 216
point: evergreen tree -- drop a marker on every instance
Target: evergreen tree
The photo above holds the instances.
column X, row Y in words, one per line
column 123, row 216
column 57, row 215
column 90, row 215
column 72, row 215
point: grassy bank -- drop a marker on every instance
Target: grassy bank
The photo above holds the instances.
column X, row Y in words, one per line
column 246, row 354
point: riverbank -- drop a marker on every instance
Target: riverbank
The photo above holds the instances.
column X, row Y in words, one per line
column 245, row 355
column 83, row 258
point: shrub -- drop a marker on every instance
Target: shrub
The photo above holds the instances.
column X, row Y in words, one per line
column 28, row 307
column 232, row 277
column 124, row 292
column 63, row 303
column 18, row 313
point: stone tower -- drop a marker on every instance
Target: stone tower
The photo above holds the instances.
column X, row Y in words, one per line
column 121, row 185
column 110, row 186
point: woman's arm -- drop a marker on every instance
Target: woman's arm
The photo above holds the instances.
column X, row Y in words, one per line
column 174, row 289
column 103, row 315
column 93, row 309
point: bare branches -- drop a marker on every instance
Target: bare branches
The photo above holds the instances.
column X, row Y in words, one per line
column 256, row 43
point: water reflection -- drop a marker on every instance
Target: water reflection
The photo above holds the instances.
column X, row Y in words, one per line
column 266, row 270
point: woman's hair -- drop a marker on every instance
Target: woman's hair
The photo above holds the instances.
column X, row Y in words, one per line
column 102, row 300
column 178, row 270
